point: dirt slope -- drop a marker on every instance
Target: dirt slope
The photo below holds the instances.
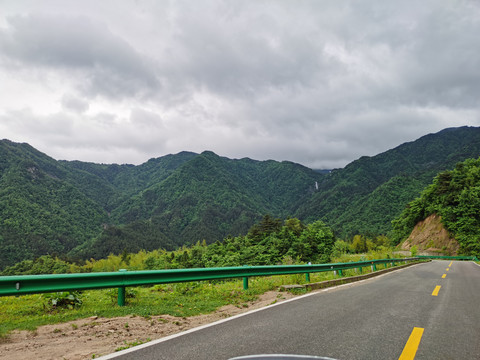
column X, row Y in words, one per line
column 430, row 236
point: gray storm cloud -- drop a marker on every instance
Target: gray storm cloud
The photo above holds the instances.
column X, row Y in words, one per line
column 107, row 64
column 75, row 104
column 319, row 83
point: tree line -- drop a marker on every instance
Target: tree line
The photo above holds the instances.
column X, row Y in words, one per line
column 269, row 242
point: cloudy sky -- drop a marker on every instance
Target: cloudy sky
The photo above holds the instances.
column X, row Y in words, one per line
column 318, row 82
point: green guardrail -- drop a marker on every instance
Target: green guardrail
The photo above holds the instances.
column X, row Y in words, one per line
column 35, row 284
column 441, row 257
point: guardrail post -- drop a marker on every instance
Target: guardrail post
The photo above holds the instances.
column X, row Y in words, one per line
column 245, row 281
column 121, row 293
column 340, row 272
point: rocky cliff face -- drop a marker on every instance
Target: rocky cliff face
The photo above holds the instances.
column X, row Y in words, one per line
column 431, row 236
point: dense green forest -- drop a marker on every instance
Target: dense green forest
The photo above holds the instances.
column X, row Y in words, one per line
column 366, row 195
column 270, row 242
column 41, row 211
column 89, row 210
column 455, row 196
column 206, row 198
column 85, row 210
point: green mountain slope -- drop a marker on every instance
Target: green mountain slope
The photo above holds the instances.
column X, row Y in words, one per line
column 205, row 198
column 90, row 210
column 368, row 193
column 117, row 183
column 41, row 211
column 455, row 196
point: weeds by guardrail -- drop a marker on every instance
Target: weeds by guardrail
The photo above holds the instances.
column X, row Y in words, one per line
column 34, row 284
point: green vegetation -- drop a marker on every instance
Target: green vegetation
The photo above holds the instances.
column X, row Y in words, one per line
column 182, row 299
column 414, row 250
column 173, row 212
column 82, row 210
column 128, row 345
column 207, row 198
column 455, row 196
column 366, row 195
column 269, row 242
column 64, row 299
column 77, row 211
column 41, row 212
column 364, row 244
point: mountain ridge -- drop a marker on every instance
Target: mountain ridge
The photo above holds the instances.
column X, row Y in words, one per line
column 89, row 210
column 414, row 163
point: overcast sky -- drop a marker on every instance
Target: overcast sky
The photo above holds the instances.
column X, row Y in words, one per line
column 318, row 82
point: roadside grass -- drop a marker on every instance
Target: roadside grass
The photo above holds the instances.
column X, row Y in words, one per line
column 181, row 299
column 128, row 345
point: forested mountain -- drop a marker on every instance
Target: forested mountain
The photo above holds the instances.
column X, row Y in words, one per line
column 207, row 197
column 41, row 210
column 454, row 196
column 366, row 195
column 117, row 183
column 88, row 210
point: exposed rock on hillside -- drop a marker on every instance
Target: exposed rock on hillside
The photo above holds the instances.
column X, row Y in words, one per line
column 431, row 236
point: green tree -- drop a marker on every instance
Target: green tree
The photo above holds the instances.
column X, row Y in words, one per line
column 455, row 197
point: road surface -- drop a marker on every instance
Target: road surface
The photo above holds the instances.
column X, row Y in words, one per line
column 427, row 311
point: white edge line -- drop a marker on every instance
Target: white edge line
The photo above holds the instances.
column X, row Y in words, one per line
column 201, row 327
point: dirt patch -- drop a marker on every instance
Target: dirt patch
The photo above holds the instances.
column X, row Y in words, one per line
column 94, row 336
column 430, row 235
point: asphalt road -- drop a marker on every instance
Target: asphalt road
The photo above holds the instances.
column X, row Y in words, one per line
column 372, row 319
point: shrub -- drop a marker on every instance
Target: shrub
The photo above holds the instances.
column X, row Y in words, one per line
column 65, row 299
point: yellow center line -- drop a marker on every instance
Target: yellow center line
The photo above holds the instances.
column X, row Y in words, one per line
column 444, row 276
column 411, row 346
column 447, row 269
column 451, row 262
column 437, row 289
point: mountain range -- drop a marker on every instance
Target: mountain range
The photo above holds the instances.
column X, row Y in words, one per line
column 85, row 210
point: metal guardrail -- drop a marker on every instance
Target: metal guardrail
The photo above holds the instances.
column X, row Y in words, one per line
column 35, row 284
column 441, row 257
